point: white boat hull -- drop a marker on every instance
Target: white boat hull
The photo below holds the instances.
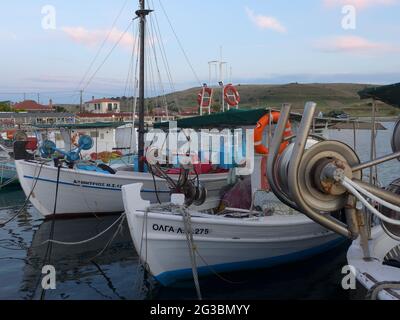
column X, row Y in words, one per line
column 225, row 244
column 370, row 272
column 83, row 192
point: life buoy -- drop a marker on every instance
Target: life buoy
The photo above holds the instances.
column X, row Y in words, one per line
column 259, row 132
column 202, row 94
column 231, row 95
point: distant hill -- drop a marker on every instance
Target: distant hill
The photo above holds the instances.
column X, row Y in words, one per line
column 328, row 96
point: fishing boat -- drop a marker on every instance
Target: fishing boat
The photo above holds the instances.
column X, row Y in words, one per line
column 242, row 233
column 88, row 189
column 78, row 187
column 379, row 274
column 233, row 240
column 8, row 139
column 324, row 180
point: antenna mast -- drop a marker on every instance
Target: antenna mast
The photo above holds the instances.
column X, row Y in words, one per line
column 142, row 13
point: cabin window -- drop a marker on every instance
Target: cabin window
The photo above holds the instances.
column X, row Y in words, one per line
column 110, row 107
column 94, row 134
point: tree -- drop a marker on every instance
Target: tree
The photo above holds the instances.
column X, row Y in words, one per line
column 5, row 106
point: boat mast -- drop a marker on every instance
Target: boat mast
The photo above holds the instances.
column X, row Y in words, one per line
column 142, row 13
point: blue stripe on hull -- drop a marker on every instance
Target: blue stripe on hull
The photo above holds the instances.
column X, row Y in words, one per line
column 171, row 277
column 89, row 187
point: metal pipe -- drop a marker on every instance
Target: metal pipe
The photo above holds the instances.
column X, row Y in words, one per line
column 298, row 151
column 376, row 162
column 351, row 216
column 380, row 193
column 273, row 155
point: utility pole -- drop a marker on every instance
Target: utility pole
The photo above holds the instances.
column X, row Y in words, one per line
column 142, row 13
column 38, row 98
column 81, row 101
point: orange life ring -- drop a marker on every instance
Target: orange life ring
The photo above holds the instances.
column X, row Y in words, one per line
column 231, row 95
column 10, row 134
column 259, row 132
column 200, row 97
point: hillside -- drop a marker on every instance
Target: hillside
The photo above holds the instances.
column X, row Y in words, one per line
column 328, row 96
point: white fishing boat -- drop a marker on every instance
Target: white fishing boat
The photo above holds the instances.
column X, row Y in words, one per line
column 380, row 273
column 82, row 191
column 231, row 241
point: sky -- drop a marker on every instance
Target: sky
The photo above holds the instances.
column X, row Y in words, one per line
column 49, row 46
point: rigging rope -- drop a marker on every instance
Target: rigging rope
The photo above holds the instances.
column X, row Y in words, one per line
column 108, row 55
column 180, row 43
column 102, row 45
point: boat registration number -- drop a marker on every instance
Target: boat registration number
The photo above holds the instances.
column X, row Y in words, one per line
column 179, row 230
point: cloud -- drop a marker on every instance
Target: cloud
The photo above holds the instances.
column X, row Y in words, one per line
column 359, row 4
column 93, row 38
column 265, row 22
column 354, row 44
column 7, row 35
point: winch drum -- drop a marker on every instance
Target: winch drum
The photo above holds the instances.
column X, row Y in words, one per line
column 392, row 230
column 315, row 154
column 396, row 138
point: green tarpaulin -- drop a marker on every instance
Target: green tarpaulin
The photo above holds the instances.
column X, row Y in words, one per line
column 389, row 94
column 229, row 119
column 94, row 125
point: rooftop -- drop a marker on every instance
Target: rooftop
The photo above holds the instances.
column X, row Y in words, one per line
column 104, row 115
column 102, row 100
column 30, row 105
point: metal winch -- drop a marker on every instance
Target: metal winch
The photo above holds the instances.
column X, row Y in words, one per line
column 322, row 178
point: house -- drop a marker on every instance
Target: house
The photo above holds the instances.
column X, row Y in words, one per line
column 32, row 106
column 89, row 117
column 159, row 115
column 102, row 106
column 26, row 119
column 189, row 113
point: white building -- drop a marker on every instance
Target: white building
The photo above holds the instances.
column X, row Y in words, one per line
column 103, row 106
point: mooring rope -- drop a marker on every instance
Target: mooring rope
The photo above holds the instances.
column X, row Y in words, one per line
column 192, row 248
column 88, row 240
column 47, row 257
column 25, row 204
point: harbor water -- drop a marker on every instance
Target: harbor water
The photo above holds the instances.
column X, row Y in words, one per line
column 111, row 270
